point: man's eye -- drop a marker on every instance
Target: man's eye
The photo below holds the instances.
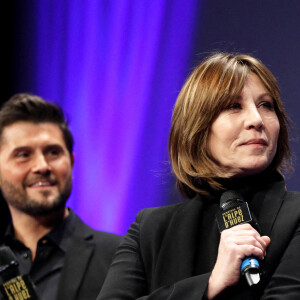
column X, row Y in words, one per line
column 23, row 154
column 54, row 152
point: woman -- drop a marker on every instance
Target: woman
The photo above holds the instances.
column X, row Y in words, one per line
column 229, row 132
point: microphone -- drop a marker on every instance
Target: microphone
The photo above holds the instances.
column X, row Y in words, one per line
column 13, row 285
column 235, row 211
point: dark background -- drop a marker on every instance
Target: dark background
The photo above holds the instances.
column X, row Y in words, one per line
column 7, row 89
column 268, row 30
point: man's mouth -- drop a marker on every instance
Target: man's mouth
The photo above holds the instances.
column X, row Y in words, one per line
column 41, row 184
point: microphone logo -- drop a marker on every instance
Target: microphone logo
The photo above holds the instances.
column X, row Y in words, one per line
column 16, row 288
column 233, row 216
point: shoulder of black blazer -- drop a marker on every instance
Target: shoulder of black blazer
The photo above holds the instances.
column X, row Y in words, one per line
column 87, row 260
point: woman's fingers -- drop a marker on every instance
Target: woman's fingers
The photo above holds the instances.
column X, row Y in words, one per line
column 246, row 234
column 247, row 245
column 235, row 244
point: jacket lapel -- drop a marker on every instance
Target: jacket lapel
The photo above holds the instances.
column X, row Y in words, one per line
column 271, row 198
column 177, row 252
column 77, row 257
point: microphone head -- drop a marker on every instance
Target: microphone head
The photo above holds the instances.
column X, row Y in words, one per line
column 8, row 264
column 6, row 256
column 229, row 199
column 233, row 210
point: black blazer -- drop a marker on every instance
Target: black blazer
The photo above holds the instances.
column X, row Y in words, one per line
column 87, row 260
column 156, row 258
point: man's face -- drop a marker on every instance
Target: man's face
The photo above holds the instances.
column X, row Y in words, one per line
column 35, row 168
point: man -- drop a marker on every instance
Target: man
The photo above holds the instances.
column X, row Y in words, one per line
column 65, row 258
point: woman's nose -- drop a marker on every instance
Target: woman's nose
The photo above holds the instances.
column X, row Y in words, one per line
column 253, row 119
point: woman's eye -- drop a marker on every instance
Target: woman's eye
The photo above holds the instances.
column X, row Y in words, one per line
column 233, row 106
column 267, row 104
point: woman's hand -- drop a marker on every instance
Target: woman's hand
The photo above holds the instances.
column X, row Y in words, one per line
column 236, row 243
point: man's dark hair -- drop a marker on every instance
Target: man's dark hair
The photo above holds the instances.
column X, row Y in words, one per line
column 31, row 108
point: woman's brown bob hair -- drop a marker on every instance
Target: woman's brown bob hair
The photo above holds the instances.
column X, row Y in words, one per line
column 212, row 86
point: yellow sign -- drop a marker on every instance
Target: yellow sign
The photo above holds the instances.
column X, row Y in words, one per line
column 233, row 217
column 16, row 289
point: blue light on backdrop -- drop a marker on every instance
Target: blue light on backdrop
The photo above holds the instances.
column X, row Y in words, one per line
column 116, row 67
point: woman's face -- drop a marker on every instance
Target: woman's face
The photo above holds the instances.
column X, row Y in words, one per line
column 243, row 138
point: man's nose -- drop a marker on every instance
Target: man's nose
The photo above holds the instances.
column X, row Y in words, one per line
column 40, row 164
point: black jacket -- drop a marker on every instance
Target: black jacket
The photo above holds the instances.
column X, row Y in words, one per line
column 156, row 259
column 87, row 260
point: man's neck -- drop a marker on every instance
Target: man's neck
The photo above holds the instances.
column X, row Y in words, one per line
column 29, row 229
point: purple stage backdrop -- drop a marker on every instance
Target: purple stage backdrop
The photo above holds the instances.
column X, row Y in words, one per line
column 116, row 67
